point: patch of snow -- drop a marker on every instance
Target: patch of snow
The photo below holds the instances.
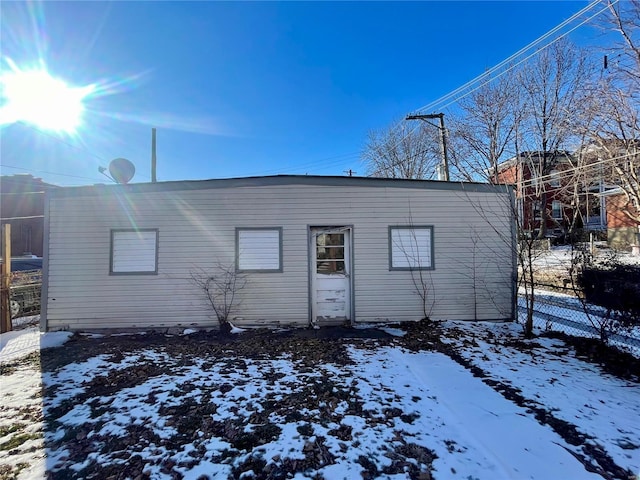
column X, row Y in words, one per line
column 20, row 343
column 365, row 326
column 54, row 339
column 78, row 415
column 92, row 335
column 559, row 257
column 289, row 444
column 21, row 322
column 235, row 329
column 493, row 438
column 395, row 332
column 21, row 397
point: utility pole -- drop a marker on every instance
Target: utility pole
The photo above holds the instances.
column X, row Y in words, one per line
column 350, row 172
column 153, row 155
column 443, row 138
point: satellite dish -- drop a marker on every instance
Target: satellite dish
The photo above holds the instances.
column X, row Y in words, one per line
column 121, row 170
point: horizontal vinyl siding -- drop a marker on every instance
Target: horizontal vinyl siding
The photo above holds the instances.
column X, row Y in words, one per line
column 197, row 228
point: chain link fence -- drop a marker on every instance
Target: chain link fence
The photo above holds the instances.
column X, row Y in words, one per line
column 24, row 293
column 558, row 309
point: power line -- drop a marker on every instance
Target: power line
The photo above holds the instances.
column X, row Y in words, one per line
column 22, row 193
column 484, row 79
column 50, row 173
column 21, row 218
column 341, row 159
column 457, row 99
column 567, row 172
column 436, row 104
column 58, row 139
column 457, row 94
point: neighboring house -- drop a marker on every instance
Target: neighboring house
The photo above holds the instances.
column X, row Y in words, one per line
column 540, row 190
column 314, row 250
column 22, row 206
column 618, row 163
column 622, row 230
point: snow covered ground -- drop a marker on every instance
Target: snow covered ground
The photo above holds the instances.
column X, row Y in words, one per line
column 26, row 338
column 384, row 411
column 602, row 407
column 559, row 258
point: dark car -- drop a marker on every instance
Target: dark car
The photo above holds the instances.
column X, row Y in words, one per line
column 21, row 264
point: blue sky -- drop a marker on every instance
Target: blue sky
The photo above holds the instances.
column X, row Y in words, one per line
column 240, row 89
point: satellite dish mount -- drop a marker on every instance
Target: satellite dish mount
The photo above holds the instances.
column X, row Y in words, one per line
column 122, row 170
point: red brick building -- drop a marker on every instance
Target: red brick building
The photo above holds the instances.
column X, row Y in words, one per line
column 22, row 206
column 541, row 191
column 622, row 230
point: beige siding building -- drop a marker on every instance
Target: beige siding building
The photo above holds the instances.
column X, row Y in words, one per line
column 312, row 250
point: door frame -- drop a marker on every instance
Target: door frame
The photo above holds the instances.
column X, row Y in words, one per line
column 311, row 263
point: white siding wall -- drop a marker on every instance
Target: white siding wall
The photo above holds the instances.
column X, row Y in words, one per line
column 196, row 228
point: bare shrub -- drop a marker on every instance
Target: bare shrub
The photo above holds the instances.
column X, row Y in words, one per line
column 220, row 286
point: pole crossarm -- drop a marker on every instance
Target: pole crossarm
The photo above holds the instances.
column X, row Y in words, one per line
column 422, row 116
column 443, row 138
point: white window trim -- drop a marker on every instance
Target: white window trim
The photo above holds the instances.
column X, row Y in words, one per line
column 396, row 265
column 122, row 270
column 559, row 217
column 240, row 267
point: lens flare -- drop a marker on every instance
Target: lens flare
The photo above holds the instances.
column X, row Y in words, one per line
column 34, row 96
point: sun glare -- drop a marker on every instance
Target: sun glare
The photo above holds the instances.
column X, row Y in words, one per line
column 35, row 97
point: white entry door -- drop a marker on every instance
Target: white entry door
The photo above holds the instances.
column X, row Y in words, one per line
column 330, row 275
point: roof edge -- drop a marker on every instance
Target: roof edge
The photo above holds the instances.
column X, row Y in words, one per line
column 276, row 180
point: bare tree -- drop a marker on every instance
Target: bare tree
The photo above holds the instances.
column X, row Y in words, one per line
column 482, row 130
column 528, row 252
column 220, row 287
column 403, row 150
column 552, row 91
column 624, row 17
column 615, row 135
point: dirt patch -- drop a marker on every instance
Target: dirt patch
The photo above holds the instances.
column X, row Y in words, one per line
column 322, row 399
column 33, row 360
column 612, row 360
column 309, row 345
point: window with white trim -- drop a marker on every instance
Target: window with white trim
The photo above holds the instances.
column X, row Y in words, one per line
column 554, row 176
column 411, row 248
column 134, row 252
column 556, row 209
column 259, row 249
